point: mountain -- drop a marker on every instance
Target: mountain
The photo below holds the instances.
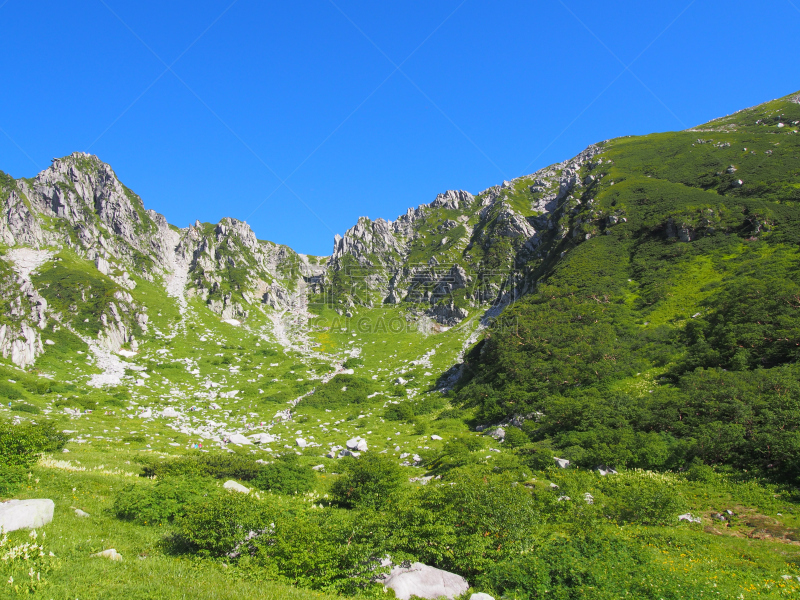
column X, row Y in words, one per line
column 581, row 381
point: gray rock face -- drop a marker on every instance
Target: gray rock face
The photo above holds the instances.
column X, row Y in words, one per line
column 425, row 582
column 25, row 514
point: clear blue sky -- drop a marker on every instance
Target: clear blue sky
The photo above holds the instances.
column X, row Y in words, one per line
column 310, row 92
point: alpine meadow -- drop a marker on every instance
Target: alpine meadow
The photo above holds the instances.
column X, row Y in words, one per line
column 580, row 383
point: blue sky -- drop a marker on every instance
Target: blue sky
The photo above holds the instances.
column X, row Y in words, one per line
column 298, row 117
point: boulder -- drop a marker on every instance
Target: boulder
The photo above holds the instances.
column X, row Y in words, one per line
column 238, row 438
column 262, row 438
column 424, row 582
column 301, row 443
column 498, row 434
column 436, row 437
column 357, row 443
column 481, row 596
column 80, row 513
column 235, row 486
column 25, row 514
column 170, row 412
column 561, row 463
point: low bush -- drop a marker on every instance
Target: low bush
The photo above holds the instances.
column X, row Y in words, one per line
column 163, row 502
column 370, row 481
column 340, row 392
column 22, row 445
column 286, row 476
column 218, row 466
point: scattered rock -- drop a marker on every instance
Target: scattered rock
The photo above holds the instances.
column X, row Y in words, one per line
column 436, row 437
column 481, row 595
column 561, row 463
column 238, row 438
column 604, row 470
column 688, row 517
column 110, row 554
column 424, row 582
column 80, row 513
column 25, row 514
column 357, row 443
column 498, row 434
column 235, row 486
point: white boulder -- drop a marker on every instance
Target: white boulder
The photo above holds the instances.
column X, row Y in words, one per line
column 481, row 596
column 436, row 437
column 301, row 443
column 25, row 514
column 262, row 438
column 235, row 486
column 561, row 463
column 238, row 438
column 170, row 413
column 425, row 582
column 357, row 443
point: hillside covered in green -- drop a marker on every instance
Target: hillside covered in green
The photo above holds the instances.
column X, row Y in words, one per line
column 664, row 329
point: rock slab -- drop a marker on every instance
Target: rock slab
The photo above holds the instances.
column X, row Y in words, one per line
column 25, row 514
column 425, row 582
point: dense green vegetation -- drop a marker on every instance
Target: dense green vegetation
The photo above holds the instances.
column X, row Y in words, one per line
column 712, row 318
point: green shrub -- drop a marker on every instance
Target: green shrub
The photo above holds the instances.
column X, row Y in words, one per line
column 286, row 476
column 642, row 497
column 216, row 525
column 371, row 481
column 9, row 391
column 218, row 466
column 11, row 478
column 27, row 408
column 515, row 438
column 352, row 363
column 402, row 411
column 163, row 502
column 22, row 445
column 340, row 392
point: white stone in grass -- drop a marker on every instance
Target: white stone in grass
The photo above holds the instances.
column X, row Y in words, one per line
column 481, row 596
column 357, row 443
column 301, row 443
column 238, row 438
column 25, row 514
column 50, row 342
column 170, row 413
column 110, row 554
column 561, row 463
column 424, row 582
column 233, row 322
column 82, row 514
column 318, row 468
column 436, row 437
column 688, row 517
column 235, row 486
